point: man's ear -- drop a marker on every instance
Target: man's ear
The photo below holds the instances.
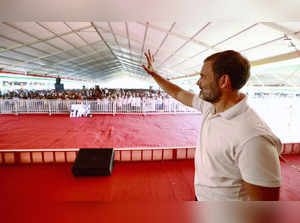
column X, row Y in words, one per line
column 224, row 81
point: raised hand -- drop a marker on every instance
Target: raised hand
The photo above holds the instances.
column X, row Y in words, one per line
column 150, row 60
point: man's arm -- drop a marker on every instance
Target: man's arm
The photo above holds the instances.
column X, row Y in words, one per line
column 258, row 193
column 173, row 90
column 260, row 169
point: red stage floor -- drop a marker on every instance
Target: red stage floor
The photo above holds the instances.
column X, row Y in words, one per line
column 155, row 181
column 136, row 192
column 60, row 131
column 131, row 181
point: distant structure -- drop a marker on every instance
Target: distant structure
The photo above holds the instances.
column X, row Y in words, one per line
column 58, row 85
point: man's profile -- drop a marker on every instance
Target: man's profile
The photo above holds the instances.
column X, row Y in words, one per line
column 237, row 154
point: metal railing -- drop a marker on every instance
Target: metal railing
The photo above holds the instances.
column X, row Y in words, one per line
column 57, row 106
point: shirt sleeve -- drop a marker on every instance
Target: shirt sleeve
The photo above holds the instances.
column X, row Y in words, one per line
column 259, row 163
column 200, row 104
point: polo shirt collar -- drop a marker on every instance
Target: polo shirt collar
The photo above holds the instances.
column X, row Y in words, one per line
column 235, row 110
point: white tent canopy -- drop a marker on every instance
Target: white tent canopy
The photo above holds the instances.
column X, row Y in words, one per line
column 98, row 50
column 98, row 40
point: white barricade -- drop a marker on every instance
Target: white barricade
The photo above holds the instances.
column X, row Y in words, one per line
column 56, row 106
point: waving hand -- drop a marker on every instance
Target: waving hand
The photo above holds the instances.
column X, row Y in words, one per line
column 150, row 60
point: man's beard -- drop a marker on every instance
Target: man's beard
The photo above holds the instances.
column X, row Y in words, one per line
column 213, row 96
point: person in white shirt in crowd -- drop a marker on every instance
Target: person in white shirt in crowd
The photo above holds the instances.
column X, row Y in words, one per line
column 148, row 104
column 237, row 155
column 152, row 103
column 119, row 102
column 132, row 102
column 138, row 102
column 128, row 102
column 145, row 106
column 99, row 104
column 113, row 102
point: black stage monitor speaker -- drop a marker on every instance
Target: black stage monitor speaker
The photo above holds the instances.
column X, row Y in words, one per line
column 93, row 162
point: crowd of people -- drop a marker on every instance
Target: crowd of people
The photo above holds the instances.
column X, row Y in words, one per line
column 100, row 99
column 108, row 94
column 87, row 94
column 82, row 94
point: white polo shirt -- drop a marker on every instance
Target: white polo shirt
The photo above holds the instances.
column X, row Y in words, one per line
column 234, row 146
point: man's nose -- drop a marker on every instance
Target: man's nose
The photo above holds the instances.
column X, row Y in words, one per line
column 199, row 82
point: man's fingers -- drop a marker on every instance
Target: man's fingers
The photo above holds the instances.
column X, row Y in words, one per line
column 148, row 59
column 150, row 56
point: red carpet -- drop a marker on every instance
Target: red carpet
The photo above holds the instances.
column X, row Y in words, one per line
column 155, row 181
column 60, row 131
column 133, row 181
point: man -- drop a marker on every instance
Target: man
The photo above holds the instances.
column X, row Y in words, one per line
column 237, row 155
